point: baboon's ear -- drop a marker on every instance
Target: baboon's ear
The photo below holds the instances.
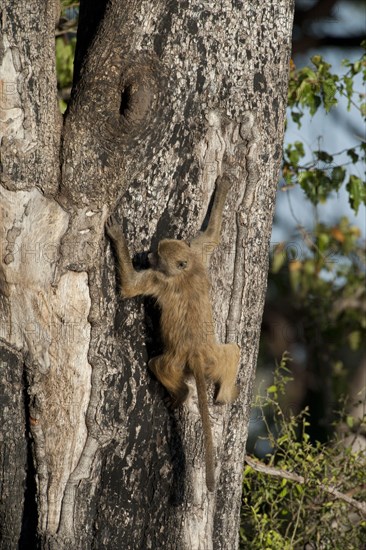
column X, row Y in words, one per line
column 182, row 264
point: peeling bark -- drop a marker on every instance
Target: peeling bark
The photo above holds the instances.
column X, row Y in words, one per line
column 165, row 96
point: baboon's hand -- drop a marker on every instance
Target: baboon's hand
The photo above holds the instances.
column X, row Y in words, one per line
column 113, row 229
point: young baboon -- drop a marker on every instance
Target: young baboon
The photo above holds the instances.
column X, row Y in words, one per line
column 178, row 280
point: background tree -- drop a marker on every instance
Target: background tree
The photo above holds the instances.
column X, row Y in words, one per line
column 165, row 97
column 315, row 306
column 310, row 490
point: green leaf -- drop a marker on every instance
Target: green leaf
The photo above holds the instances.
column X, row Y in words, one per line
column 324, row 156
column 353, row 155
column 307, row 96
column 307, row 180
column 348, row 81
column 338, row 175
column 283, row 493
column 317, row 60
column 357, row 192
column 357, row 66
column 248, row 470
column 318, row 185
column 296, row 117
column 299, row 488
column 299, row 146
column 295, row 152
column 350, row 421
column 329, row 92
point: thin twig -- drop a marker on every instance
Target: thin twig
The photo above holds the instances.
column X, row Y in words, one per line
column 277, row 472
column 297, row 520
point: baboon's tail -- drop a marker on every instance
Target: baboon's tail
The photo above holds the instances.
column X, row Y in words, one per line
column 206, row 425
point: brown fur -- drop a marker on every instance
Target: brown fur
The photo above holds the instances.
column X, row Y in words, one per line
column 178, row 280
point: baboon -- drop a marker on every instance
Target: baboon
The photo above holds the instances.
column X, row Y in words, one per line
column 178, row 280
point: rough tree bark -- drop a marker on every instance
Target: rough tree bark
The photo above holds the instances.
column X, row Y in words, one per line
column 167, row 95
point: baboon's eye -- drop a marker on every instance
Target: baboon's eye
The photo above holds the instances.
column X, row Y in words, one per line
column 181, row 264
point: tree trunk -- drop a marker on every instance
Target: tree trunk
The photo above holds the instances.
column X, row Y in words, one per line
column 167, row 95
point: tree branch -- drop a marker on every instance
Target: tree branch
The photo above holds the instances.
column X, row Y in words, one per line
column 330, row 489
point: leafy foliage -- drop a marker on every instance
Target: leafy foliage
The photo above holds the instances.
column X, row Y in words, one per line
column 279, row 513
column 324, row 280
column 319, row 277
column 318, row 283
column 311, row 88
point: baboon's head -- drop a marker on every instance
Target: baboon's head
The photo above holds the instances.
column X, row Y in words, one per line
column 172, row 258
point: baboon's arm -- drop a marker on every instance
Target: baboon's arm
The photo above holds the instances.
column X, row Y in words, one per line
column 133, row 283
column 206, row 242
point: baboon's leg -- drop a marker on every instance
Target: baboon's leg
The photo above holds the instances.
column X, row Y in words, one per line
column 224, row 370
column 170, row 373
